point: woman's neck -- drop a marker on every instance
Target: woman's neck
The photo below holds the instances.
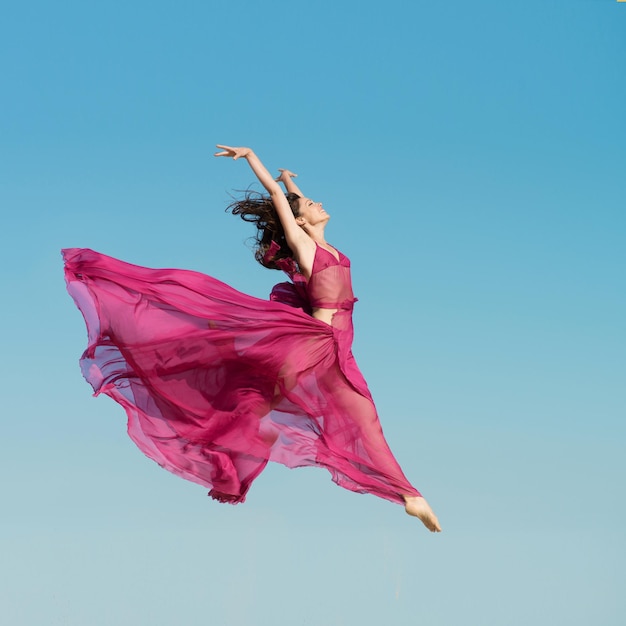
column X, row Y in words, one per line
column 316, row 233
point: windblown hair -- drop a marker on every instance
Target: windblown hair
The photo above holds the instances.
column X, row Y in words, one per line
column 259, row 209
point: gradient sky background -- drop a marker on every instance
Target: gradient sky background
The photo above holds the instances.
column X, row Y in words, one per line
column 473, row 158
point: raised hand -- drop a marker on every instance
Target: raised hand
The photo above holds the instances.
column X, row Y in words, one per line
column 284, row 175
column 235, row 153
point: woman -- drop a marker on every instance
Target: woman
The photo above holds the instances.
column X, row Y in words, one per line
column 217, row 383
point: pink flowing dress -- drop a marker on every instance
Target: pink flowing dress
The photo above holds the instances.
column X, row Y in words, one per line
column 215, row 383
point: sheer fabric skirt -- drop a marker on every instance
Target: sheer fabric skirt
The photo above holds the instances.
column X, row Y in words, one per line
column 216, row 383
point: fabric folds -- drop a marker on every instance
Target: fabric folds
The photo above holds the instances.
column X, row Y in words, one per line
column 215, row 383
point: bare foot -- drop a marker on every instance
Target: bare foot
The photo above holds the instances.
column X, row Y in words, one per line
column 418, row 507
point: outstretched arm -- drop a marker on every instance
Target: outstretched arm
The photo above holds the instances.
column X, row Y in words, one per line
column 301, row 244
column 286, row 178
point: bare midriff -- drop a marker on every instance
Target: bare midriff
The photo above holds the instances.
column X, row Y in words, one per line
column 324, row 315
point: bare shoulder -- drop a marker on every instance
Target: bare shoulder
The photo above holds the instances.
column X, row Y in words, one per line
column 304, row 252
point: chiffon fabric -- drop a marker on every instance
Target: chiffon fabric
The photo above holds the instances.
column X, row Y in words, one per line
column 215, row 383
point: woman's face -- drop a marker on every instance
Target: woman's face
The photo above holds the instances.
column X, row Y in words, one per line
column 312, row 212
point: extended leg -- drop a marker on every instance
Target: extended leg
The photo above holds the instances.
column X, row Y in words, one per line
column 356, row 429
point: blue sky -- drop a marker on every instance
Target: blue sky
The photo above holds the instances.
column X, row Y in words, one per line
column 472, row 157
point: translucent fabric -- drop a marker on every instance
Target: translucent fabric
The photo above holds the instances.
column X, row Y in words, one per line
column 216, row 383
column 330, row 286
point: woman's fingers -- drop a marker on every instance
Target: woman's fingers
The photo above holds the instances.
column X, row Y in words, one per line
column 235, row 153
column 227, row 151
column 285, row 172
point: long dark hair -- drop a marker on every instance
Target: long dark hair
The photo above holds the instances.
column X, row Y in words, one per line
column 259, row 209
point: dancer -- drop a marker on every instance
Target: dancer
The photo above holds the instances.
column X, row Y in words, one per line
column 216, row 383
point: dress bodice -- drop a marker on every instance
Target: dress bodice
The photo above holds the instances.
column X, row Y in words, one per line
column 330, row 284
